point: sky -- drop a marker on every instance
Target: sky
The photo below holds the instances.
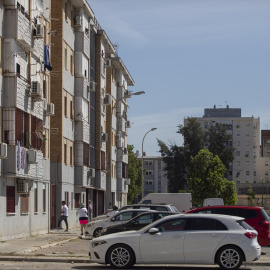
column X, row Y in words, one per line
column 188, row 55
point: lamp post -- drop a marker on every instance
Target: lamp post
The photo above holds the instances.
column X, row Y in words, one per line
column 111, row 127
column 152, row 129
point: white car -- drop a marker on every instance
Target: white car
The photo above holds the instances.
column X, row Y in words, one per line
column 94, row 228
column 181, row 239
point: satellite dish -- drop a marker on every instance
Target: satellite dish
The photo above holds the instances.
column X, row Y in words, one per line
column 39, row 4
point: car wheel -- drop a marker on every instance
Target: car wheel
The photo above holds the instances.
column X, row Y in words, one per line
column 229, row 257
column 120, row 256
column 97, row 232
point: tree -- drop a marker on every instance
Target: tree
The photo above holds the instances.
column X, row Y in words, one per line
column 207, row 179
column 135, row 175
column 194, row 137
column 175, row 166
column 219, row 144
column 251, row 196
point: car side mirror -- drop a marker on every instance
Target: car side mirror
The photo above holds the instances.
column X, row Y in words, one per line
column 113, row 219
column 153, row 231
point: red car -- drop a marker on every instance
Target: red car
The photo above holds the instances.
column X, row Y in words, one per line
column 256, row 217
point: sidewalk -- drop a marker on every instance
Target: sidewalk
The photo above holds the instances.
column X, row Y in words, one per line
column 66, row 247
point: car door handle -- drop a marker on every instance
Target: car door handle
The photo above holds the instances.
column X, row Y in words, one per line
column 214, row 235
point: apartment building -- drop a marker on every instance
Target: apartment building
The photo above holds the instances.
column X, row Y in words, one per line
column 154, row 176
column 245, row 138
column 88, row 83
column 26, row 110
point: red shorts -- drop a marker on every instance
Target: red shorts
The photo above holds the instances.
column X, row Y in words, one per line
column 83, row 221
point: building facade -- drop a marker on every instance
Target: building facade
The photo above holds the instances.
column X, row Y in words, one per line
column 26, row 110
column 245, row 138
column 154, row 176
column 63, row 115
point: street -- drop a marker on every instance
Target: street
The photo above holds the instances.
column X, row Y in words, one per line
column 83, row 266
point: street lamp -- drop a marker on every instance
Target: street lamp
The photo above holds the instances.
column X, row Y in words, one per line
column 152, row 129
column 129, row 95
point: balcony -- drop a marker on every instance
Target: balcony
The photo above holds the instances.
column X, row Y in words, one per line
column 82, row 43
column 21, row 164
column 82, row 176
column 121, row 124
column 121, row 185
column 82, row 131
column 19, row 27
column 82, row 88
column 100, row 180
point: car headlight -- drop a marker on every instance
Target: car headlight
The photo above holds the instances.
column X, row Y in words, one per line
column 98, row 243
column 88, row 225
column 104, row 230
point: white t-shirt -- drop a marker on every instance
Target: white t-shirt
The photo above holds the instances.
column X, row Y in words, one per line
column 112, row 212
column 82, row 212
column 65, row 209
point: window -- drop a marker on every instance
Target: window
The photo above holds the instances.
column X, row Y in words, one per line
column 24, row 203
column 238, row 134
column 124, row 216
column 266, row 163
column 247, row 134
column 149, row 182
column 71, row 63
column 149, row 173
column 247, row 163
column 65, row 56
column 266, row 173
column 10, row 199
column 71, row 110
column 65, row 105
column 238, row 153
column 77, row 200
column 72, row 198
column 247, row 172
column 67, row 198
column 171, row 225
column 65, row 152
column 103, row 155
column 247, row 143
column 66, row 11
column 71, row 155
column 35, row 197
column 238, row 143
column 205, row 224
column 145, row 219
column 86, row 154
column 44, row 198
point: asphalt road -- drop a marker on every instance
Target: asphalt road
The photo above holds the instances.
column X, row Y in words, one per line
column 82, row 266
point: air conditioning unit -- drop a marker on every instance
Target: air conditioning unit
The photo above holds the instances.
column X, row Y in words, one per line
column 35, row 89
column 128, row 124
column 128, row 182
column 107, row 100
column 104, row 137
column 125, row 151
column 39, row 31
column 44, row 104
column 92, row 86
column 50, row 109
column 128, row 93
column 3, row 150
column 108, row 62
column 32, row 156
column 78, row 21
column 22, row 186
column 92, row 173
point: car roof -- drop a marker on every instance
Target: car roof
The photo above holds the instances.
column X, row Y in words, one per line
column 225, row 206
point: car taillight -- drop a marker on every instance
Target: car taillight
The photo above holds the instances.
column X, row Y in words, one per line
column 264, row 223
column 251, row 235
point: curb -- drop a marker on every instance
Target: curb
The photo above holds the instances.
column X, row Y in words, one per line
column 78, row 260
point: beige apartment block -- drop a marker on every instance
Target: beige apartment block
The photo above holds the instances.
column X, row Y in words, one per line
column 245, row 138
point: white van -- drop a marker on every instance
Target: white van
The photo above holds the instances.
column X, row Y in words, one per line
column 213, row 201
column 182, row 201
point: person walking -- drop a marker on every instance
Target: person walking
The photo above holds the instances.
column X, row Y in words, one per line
column 90, row 210
column 83, row 217
column 64, row 216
